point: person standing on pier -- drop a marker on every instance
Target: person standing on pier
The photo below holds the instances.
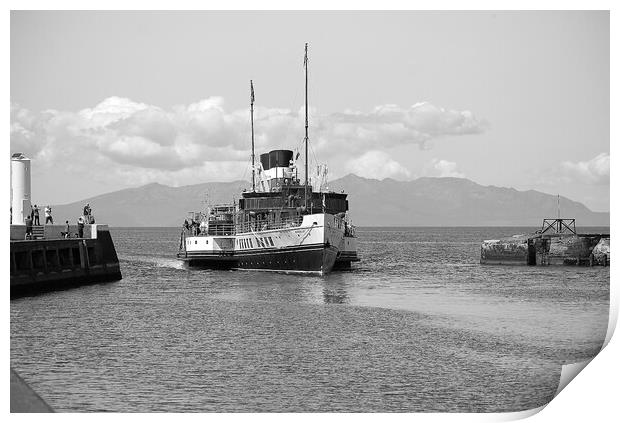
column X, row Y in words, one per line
column 36, row 216
column 48, row 215
column 67, row 229
column 80, row 223
column 28, row 227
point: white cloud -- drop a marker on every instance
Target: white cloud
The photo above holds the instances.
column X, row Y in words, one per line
column 110, row 110
column 121, row 137
column 377, row 165
column 390, row 125
column 593, row 172
column 444, row 169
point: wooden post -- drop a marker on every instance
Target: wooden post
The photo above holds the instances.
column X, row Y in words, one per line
column 44, row 253
column 83, row 255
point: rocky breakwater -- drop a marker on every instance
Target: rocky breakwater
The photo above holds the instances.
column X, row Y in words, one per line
column 547, row 249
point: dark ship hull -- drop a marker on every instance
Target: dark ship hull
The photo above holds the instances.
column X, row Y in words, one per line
column 317, row 259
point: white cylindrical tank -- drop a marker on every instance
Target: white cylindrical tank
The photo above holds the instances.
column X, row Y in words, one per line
column 20, row 188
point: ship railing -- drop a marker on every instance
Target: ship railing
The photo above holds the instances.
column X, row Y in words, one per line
column 217, row 209
column 228, row 229
column 268, row 225
column 225, row 229
column 195, row 216
column 222, row 229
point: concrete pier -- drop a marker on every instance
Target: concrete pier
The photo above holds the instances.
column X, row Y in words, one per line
column 548, row 249
column 513, row 250
column 557, row 243
column 54, row 262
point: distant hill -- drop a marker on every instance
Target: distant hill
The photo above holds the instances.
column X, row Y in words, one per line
column 454, row 202
column 421, row 202
column 152, row 204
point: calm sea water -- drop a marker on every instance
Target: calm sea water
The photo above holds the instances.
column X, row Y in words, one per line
column 418, row 325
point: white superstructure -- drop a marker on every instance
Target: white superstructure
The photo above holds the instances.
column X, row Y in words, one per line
column 313, row 243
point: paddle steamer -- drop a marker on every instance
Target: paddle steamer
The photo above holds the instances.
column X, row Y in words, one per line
column 282, row 224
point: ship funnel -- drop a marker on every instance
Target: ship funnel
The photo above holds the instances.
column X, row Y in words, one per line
column 277, row 168
column 20, row 188
column 264, row 161
column 276, row 158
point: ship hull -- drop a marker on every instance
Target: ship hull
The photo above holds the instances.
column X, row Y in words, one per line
column 344, row 259
column 312, row 247
column 316, row 259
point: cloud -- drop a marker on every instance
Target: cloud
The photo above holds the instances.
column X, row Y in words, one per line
column 444, row 169
column 110, row 110
column 377, row 165
column 390, row 125
column 122, row 137
column 592, row 172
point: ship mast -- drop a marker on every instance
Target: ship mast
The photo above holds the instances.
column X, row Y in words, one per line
column 252, row 124
column 306, row 138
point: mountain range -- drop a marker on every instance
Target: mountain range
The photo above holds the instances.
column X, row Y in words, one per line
column 420, row 202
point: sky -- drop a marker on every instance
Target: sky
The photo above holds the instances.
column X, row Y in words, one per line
column 102, row 100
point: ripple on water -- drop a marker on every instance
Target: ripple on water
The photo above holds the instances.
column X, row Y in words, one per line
column 400, row 332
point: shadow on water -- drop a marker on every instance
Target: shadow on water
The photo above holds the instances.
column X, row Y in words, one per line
column 335, row 290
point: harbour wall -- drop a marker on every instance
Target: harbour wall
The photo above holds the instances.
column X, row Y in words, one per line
column 552, row 249
column 54, row 262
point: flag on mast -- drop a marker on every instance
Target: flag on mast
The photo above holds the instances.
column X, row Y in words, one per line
column 306, row 56
column 251, row 92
